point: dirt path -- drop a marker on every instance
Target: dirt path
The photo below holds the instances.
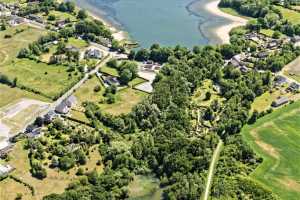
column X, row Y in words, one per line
column 211, row 170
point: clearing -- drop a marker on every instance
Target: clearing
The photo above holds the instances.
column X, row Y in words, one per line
column 275, row 138
column 145, row 187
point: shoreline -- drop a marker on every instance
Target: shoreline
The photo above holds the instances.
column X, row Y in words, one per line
column 222, row 32
column 117, row 34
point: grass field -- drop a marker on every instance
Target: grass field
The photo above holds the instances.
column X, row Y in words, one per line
column 55, row 182
column 126, row 98
column 292, row 69
column 144, row 187
column 77, row 43
column 9, row 95
column 9, row 48
column 276, row 138
column 50, row 80
column 290, row 15
column 199, row 95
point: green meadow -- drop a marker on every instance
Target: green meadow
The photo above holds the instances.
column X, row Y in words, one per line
column 275, row 138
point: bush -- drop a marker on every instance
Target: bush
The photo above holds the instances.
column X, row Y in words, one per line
column 97, row 88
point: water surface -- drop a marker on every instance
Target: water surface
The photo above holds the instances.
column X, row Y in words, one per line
column 168, row 22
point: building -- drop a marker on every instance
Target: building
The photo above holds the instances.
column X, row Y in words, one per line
column 110, row 80
column 263, row 54
column 62, row 108
column 34, row 133
column 296, row 40
column 5, row 169
column 65, row 106
column 49, row 117
column 280, row 80
column 36, row 18
column 71, row 101
column 15, row 20
column 293, row 87
column 71, row 48
column 93, row 53
column 61, row 23
column 280, row 101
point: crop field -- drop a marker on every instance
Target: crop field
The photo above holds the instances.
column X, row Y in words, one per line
column 275, row 138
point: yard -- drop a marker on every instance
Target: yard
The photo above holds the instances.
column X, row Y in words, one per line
column 263, row 102
column 275, row 138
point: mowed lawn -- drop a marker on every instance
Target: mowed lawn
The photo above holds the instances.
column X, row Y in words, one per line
column 276, row 138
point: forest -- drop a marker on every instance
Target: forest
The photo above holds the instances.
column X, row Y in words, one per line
column 162, row 141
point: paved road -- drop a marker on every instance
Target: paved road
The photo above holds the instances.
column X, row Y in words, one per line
column 211, row 170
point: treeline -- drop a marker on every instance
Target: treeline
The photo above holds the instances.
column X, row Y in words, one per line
column 268, row 16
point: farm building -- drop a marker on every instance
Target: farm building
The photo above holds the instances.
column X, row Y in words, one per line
column 280, row 101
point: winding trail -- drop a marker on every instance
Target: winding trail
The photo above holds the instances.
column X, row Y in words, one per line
column 211, row 170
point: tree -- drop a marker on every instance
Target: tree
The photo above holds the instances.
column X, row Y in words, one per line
column 15, row 82
column 111, row 98
column 82, row 14
column 142, row 55
column 66, row 162
column 125, row 76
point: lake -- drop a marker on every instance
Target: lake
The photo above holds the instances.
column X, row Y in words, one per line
column 167, row 22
